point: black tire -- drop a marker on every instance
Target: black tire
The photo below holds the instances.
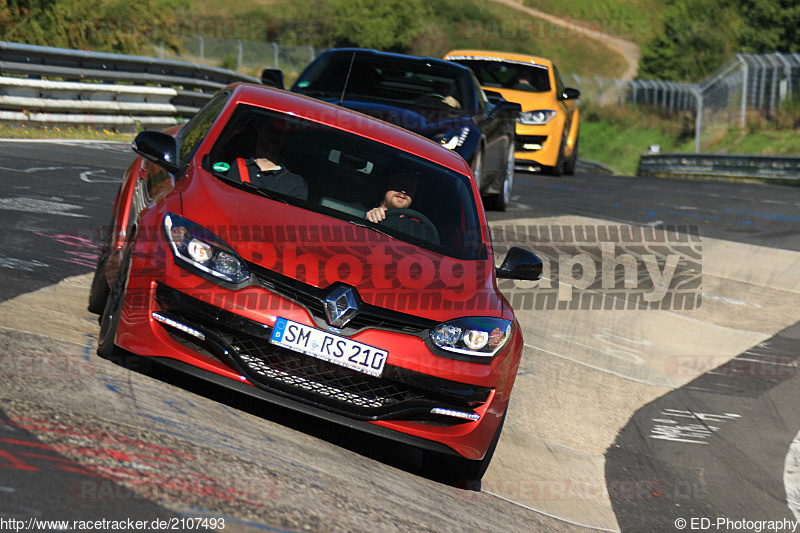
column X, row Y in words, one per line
column 500, row 201
column 477, row 168
column 572, row 162
column 558, row 169
column 109, row 320
column 98, row 294
column 460, row 472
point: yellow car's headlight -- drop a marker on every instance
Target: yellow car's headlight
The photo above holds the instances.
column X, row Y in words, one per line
column 538, row 116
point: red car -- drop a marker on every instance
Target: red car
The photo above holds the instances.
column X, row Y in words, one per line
column 241, row 251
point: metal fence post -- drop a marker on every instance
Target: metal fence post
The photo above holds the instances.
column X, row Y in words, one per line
column 787, row 68
column 698, row 126
column 577, row 81
column 773, row 93
column 745, row 85
column 275, row 47
column 762, row 81
column 241, row 53
column 599, row 90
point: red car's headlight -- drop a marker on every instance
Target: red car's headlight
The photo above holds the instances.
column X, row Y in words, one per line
column 194, row 245
column 475, row 336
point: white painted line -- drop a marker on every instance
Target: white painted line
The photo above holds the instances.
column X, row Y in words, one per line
column 21, row 264
column 594, row 528
column 35, row 205
column 729, row 300
column 87, row 177
column 604, row 370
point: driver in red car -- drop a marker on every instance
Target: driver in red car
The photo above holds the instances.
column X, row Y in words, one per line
column 400, row 190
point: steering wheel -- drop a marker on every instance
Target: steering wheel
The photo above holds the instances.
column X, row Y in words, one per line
column 395, row 217
column 430, row 96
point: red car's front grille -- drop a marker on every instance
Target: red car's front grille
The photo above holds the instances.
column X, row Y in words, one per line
column 313, row 299
column 274, row 364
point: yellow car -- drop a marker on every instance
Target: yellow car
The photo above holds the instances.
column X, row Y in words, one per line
column 547, row 128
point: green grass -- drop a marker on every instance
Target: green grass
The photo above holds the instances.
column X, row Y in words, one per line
column 635, row 20
column 477, row 24
column 617, row 136
column 489, row 26
column 33, row 131
column 781, row 142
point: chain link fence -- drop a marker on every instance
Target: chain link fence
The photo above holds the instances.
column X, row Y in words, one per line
column 748, row 89
column 246, row 56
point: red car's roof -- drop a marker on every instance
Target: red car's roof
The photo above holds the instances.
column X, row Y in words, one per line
column 345, row 119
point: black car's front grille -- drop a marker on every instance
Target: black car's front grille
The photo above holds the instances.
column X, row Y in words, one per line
column 522, row 140
column 244, row 345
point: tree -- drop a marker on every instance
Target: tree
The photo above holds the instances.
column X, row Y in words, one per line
column 772, row 26
column 102, row 25
column 698, row 37
column 381, row 24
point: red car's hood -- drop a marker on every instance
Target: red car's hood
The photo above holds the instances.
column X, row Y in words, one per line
column 320, row 250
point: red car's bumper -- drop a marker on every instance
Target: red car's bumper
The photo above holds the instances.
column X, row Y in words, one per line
column 235, row 351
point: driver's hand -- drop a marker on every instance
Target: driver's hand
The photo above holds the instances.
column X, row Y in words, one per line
column 377, row 214
column 452, row 102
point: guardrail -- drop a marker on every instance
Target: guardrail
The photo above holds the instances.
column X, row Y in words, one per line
column 55, row 85
column 587, row 166
column 775, row 169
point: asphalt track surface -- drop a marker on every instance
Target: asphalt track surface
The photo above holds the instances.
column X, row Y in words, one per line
column 622, row 419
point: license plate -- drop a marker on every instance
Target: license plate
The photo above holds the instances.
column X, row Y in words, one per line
column 329, row 347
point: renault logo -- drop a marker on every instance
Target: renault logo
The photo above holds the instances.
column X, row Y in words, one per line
column 341, row 306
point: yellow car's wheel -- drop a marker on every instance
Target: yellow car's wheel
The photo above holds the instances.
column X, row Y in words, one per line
column 569, row 168
column 558, row 168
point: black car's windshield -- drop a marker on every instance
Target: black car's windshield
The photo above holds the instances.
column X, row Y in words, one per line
column 395, row 80
column 344, row 175
column 509, row 75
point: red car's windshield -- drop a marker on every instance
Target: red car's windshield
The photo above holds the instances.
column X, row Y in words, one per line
column 344, row 175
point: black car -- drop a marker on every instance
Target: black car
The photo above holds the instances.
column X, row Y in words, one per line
column 438, row 99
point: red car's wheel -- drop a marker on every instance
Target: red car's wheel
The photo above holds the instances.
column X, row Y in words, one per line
column 98, row 295
column 109, row 321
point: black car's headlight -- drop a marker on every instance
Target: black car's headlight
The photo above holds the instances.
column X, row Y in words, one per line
column 198, row 247
column 538, row 116
column 452, row 139
column 473, row 336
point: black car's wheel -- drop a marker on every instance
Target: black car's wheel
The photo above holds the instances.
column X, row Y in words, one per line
column 572, row 162
column 501, row 200
column 109, row 320
column 463, row 473
column 477, row 168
